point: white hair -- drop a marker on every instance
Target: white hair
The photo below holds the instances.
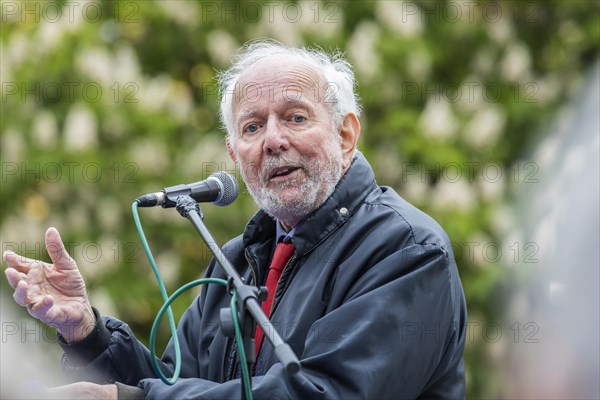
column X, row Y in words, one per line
column 340, row 83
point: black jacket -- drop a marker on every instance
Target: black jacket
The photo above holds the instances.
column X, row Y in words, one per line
column 371, row 303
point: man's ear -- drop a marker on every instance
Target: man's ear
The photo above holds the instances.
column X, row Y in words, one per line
column 349, row 133
column 230, row 149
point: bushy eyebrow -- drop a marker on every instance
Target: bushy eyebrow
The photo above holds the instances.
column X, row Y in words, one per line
column 288, row 103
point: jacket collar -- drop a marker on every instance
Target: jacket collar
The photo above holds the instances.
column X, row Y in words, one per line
column 353, row 187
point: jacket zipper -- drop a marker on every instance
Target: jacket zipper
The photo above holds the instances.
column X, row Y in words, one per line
column 256, row 283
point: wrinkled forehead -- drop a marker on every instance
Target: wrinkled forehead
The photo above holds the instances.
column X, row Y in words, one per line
column 279, row 79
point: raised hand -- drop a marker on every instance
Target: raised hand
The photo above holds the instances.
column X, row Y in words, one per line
column 53, row 293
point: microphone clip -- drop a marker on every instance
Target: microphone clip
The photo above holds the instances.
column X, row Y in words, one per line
column 185, row 204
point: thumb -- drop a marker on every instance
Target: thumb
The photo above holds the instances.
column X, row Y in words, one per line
column 56, row 250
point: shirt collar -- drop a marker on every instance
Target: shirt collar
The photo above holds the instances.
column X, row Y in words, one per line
column 281, row 235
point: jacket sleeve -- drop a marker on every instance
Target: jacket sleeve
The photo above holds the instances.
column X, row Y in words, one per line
column 112, row 353
column 394, row 335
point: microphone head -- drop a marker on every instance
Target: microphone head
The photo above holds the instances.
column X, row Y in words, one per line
column 229, row 188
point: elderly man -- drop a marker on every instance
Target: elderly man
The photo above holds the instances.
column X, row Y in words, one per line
column 367, row 291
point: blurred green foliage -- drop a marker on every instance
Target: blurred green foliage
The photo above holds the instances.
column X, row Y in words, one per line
column 103, row 101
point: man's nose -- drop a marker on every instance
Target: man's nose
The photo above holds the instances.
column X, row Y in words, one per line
column 276, row 138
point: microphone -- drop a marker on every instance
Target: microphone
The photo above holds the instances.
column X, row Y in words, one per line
column 220, row 189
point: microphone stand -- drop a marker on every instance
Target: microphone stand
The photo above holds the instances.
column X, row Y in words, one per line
column 247, row 299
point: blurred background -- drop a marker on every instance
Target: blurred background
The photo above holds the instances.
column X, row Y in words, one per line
column 483, row 114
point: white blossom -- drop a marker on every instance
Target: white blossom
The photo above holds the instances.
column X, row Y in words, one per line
column 96, row 63
column 168, row 262
column 81, row 129
column 458, row 196
column 13, row 145
column 184, row 12
column 324, row 19
column 516, row 64
column 485, row 127
column 222, row 46
column 437, row 120
column 45, row 129
column 401, row 17
column 362, row 52
column 150, row 155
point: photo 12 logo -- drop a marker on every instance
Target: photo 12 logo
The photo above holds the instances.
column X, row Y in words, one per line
column 68, row 172
column 54, row 92
column 68, row 11
column 252, row 11
column 471, row 171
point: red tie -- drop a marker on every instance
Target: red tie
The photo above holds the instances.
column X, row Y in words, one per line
column 283, row 253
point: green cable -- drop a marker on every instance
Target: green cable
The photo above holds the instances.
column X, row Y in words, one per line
column 241, row 351
column 166, row 307
column 236, row 324
column 163, row 292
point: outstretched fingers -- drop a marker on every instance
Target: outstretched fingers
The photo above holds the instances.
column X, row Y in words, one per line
column 13, row 277
column 20, row 263
column 56, row 250
column 41, row 307
column 38, row 306
column 21, row 294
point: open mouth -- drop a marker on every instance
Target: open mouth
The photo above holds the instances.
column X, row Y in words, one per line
column 282, row 172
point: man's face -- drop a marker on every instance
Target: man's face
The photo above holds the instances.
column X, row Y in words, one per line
column 289, row 152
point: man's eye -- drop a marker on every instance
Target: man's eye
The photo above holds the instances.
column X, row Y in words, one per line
column 251, row 128
column 298, row 119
